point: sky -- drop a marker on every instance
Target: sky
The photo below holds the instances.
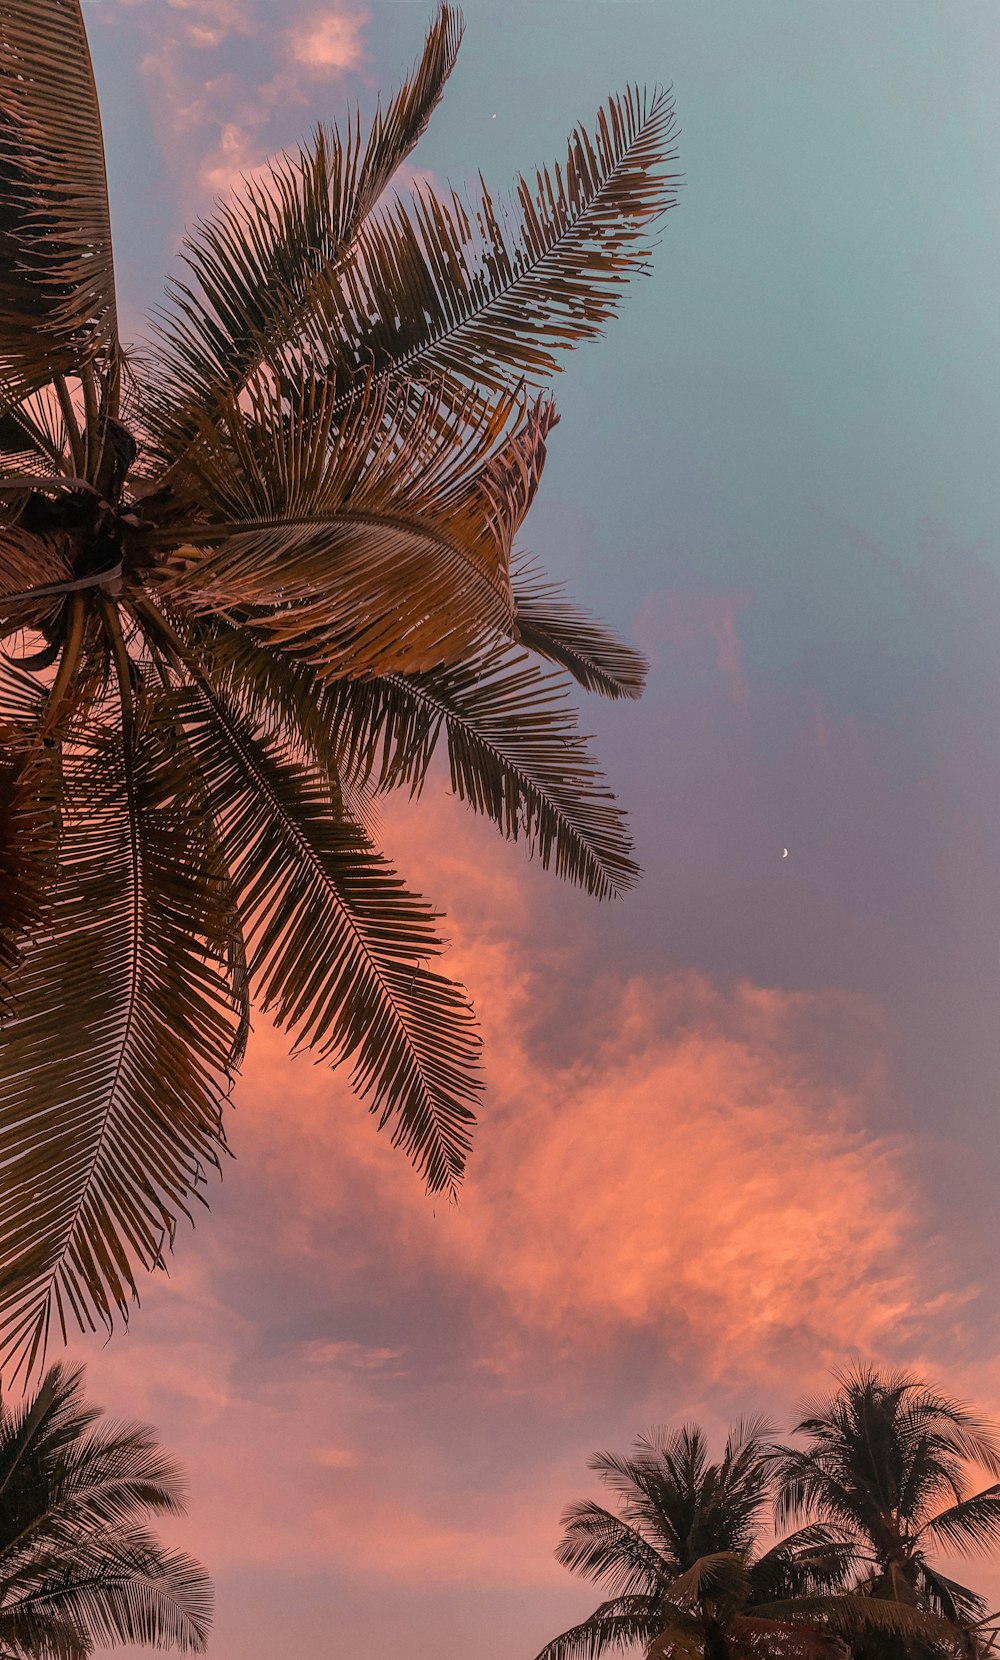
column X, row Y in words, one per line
column 739, row 1127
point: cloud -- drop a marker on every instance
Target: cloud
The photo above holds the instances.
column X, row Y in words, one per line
column 676, row 1203
column 332, row 41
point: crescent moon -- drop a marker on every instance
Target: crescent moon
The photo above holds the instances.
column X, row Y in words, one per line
column 784, row 853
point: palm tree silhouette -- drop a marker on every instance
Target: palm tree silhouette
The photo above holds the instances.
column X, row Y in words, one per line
column 78, row 1567
column 250, row 579
column 885, row 1463
column 690, row 1572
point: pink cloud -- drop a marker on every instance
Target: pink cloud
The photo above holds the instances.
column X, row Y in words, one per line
column 332, row 41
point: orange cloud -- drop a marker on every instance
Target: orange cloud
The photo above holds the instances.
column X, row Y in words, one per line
column 696, row 1167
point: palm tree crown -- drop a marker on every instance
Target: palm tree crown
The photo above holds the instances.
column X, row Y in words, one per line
column 689, row 1569
column 249, row 579
column 78, row 1567
column 885, row 1462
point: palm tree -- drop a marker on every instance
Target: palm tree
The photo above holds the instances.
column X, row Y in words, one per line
column 77, row 1565
column 249, row 579
column 885, row 1462
column 687, row 1571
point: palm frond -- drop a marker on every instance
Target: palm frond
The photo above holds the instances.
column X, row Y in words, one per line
column 124, row 1587
column 489, row 294
column 336, row 944
column 619, row 1623
column 813, row 1558
column 29, row 562
column 380, row 543
column 604, row 1547
column 515, row 755
column 254, row 264
column 108, row 1120
column 951, row 1600
column 547, row 623
column 281, row 698
column 755, row 1635
column 57, row 297
column 851, row 1616
column 719, row 1582
column 973, row 1524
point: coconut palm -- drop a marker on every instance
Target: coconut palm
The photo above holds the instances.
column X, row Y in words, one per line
column 886, row 1461
column 251, row 577
column 689, row 1569
column 78, row 1567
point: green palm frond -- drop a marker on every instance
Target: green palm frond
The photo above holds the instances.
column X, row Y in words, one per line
column 57, row 297
column 547, row 623
column 253, row 266
column 336, row 943
column 108, row 1120
column 515, row 755
column 490, row 293
column 620, row 1623
column 379, row 543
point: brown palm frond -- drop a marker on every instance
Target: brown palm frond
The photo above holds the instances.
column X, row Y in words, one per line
column 57, row 295
column 515, row 755
column 29, row 794
column 549, row 624
column 109, row 1118
column 336, row 943
column 487, row 293
column 255, row 263
column 380, row 543
column 281, row 698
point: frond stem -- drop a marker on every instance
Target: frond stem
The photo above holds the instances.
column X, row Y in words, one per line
column 69, row 661
column 119, row 650
column 93, row 435
column 71, row 423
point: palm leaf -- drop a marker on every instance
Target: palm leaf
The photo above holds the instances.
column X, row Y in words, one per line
column 618, row 1623
column 29, row 795
column 381, row 544
column 57, row 299
column 122, row 1588
column 852, row 1616
column 254, row 265
column 515, row 756
column 336, row 943
column 601, row 1546
column 718, row 1581
column 488, row 294
column 549, row 624
column 970, row 1525
column 29, row 562
column 282, row 698
column 107, row 1120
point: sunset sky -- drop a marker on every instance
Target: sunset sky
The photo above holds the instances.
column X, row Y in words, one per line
column 741, row 1126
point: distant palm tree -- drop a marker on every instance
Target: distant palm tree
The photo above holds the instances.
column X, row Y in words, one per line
column 77, row 1567
column 885, row 1463
column 248, row 580
column 689, row 1573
